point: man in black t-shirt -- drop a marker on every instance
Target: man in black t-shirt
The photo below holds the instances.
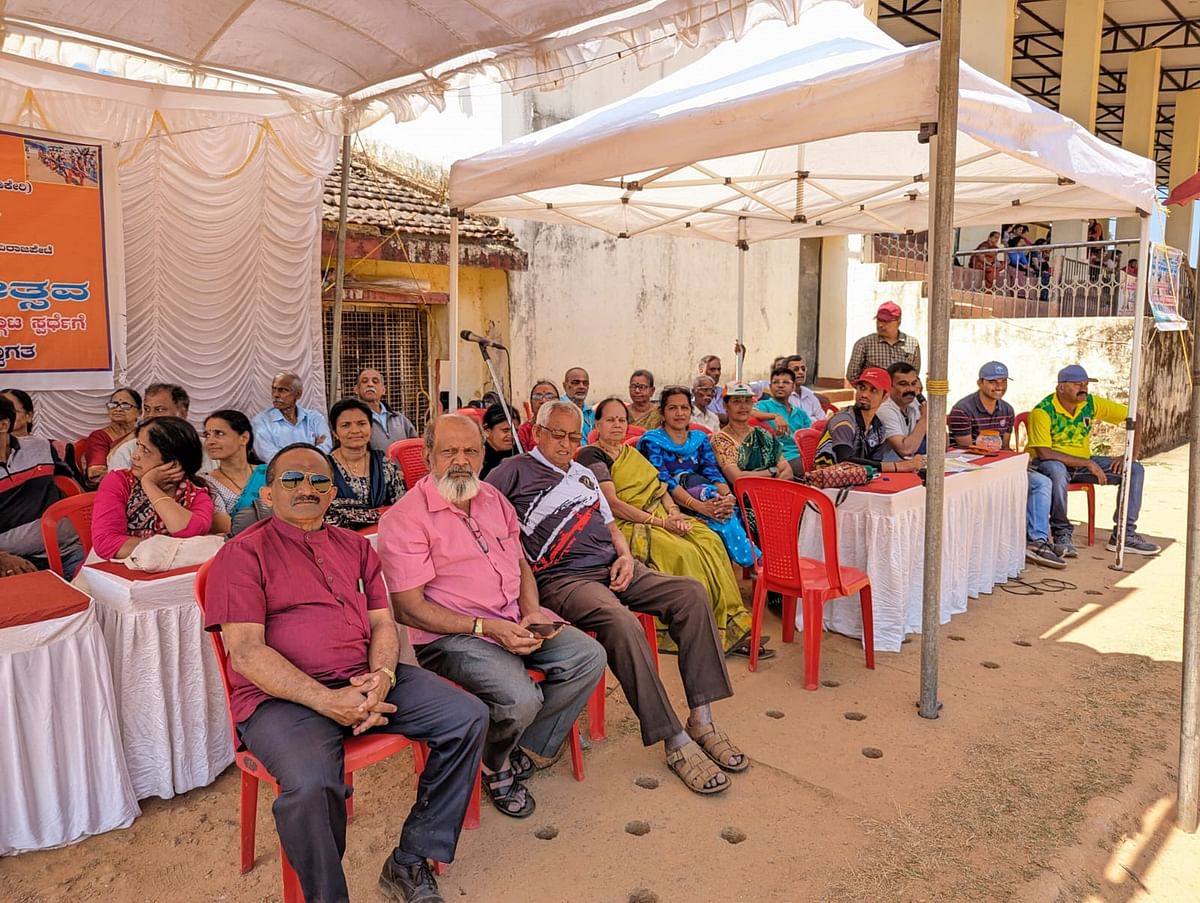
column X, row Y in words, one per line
column 586, row 574
column 857, row 435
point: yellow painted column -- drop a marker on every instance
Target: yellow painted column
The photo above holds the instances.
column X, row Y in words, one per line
column 987, row 36
column 1079, row 85
column 1185, row 159
column 1141, row 116
column 870, row 9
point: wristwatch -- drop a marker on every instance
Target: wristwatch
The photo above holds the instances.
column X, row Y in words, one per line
column 477, row 627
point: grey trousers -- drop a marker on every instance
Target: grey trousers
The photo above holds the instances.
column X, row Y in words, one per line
column 538, row 716
column 681, row 603
column 303, row 751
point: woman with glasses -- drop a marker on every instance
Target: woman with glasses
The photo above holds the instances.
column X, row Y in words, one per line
column 543, row 390
column 367, row 480
column 685, row 461
column 642, row 410
column 161, row 493
column 238, row 474
column 124, row 406
column 658, row 532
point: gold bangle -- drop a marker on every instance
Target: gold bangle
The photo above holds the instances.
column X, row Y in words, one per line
column 165, row 498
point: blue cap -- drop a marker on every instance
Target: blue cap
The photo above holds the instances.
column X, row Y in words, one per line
column 993, row 370
column 1074, row 374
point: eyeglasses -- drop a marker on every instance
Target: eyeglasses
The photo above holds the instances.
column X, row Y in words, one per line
column 119, row 405
column 474, row 528
column 319, row 482
column 633, row 386
column 560, row 435
column 542, row 396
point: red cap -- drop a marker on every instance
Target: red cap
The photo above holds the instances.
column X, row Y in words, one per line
column 888, row 310
column 873, row 376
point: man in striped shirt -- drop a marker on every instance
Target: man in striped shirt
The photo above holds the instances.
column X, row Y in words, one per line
column 986, row 411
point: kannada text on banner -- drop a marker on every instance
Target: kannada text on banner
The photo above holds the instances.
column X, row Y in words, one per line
column 54, row 304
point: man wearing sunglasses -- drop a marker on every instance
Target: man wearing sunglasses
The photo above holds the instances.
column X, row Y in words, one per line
column 451, row 551
column 315, row 657
column 586, row 574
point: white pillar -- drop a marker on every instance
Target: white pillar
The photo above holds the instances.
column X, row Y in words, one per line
column 1140, row 118
column 1185, row 157
column 1080, row 81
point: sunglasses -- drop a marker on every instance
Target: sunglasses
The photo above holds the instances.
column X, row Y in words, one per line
column 478, row 534
column 119, row 405
column 319, row 482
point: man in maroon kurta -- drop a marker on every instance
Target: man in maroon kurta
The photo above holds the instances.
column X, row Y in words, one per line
column 314, row 654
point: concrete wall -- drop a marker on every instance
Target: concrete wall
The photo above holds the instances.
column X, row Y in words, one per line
column 661, row 303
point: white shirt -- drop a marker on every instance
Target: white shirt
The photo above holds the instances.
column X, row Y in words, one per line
column 898, row 422
column 706, row 419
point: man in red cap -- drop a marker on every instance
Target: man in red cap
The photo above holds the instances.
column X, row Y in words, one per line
column 857, row 435
column 887, row 345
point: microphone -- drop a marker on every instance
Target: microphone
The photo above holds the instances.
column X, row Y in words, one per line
column 467, row 336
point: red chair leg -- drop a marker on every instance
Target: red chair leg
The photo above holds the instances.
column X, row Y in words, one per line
column 596, row 712
column 248, row 815
column 348, row 777
column 868, row 619
column 756, row 616
column 576, row 752
column 812, row 642
column 471, row 821
column 292, row 892
column 651, row 637
column 1091, row 502
column 789, row 619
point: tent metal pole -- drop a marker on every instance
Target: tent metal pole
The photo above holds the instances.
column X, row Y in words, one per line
column 452, row 398
column 1135, row 379
column 943, row 153
column 339, row 287
column 1188, row 808
column 742, row 247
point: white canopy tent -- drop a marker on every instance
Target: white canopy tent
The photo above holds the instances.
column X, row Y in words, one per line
column 816, row 130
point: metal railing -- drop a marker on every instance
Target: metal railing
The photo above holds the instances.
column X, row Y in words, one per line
column 1071, row 279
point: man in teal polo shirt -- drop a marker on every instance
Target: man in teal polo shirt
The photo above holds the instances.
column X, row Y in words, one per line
column 778, row 406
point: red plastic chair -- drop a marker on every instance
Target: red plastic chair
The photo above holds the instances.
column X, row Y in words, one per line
column 477, row 413
column 632, row 435
column 701, row 427
column 78, row 510
column 67, row 486
column 1021, row 425
column 830, row 408
column 410, row 455
column 806, row 440
column 819, row 425
column 359, row 753
column 596, row 705
column 778, row 509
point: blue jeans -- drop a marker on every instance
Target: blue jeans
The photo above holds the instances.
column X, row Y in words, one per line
column 537, row 716
column 1060, row 475
column 1037, row 511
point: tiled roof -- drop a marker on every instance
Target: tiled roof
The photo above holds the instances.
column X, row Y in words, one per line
column 387, row 201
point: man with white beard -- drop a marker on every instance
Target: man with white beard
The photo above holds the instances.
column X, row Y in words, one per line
column 452, row 558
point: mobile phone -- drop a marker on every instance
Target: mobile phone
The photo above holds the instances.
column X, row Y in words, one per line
column 545, row 631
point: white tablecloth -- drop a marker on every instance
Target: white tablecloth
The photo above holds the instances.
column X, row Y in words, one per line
column 62, row 769
column 983, row 543
column 173, row 715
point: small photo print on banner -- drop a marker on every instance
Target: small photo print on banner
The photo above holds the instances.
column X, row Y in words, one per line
column 1165, row 263
column 55, row 304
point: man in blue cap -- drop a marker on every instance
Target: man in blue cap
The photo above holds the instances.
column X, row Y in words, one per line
column 985, row 418
column 1060, row 429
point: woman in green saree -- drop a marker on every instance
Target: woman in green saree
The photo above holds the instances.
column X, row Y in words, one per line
column 659, row 534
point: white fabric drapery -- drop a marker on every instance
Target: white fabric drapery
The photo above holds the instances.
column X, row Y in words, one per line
column 173, row 715
column 62, row 769
column 220, row 199
column 884, row 535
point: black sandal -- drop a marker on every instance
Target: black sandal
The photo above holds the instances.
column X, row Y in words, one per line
column 505, row 792
column 521, row 764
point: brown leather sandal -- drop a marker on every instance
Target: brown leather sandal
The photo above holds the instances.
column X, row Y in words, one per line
column 718, row 747
column 695, row 769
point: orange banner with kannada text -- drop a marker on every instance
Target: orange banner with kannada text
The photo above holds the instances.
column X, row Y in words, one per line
column 56, row 302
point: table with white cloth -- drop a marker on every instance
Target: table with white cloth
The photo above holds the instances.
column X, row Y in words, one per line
column 983, row 544
column 172, row 710
column 62, row 769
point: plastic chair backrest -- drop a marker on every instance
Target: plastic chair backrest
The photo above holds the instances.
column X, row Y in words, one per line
column 67, row 486
column 778, row 508
column 764, row 423
column 410, row 455
column 78, row 510
column 1020, row 424
column 819, row 425
column 632, row 435
column 830, row 408
column 80, row 462
column 218, row 642
column 806, row 440
column 477, row 413
column 701, row 427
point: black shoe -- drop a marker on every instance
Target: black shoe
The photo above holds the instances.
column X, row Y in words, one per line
column 775, row 602
column 409, row 883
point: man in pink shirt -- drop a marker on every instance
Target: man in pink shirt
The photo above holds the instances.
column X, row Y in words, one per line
column 452, row 555
column 315, row 656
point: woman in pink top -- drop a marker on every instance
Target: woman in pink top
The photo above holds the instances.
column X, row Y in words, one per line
column 159, row 494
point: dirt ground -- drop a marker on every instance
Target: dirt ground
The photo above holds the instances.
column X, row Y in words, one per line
column 1049, row 776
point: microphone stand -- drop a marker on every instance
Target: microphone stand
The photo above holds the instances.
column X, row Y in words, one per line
column 487, row 359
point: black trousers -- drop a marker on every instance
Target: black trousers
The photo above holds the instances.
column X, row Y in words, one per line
column 303, row 750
